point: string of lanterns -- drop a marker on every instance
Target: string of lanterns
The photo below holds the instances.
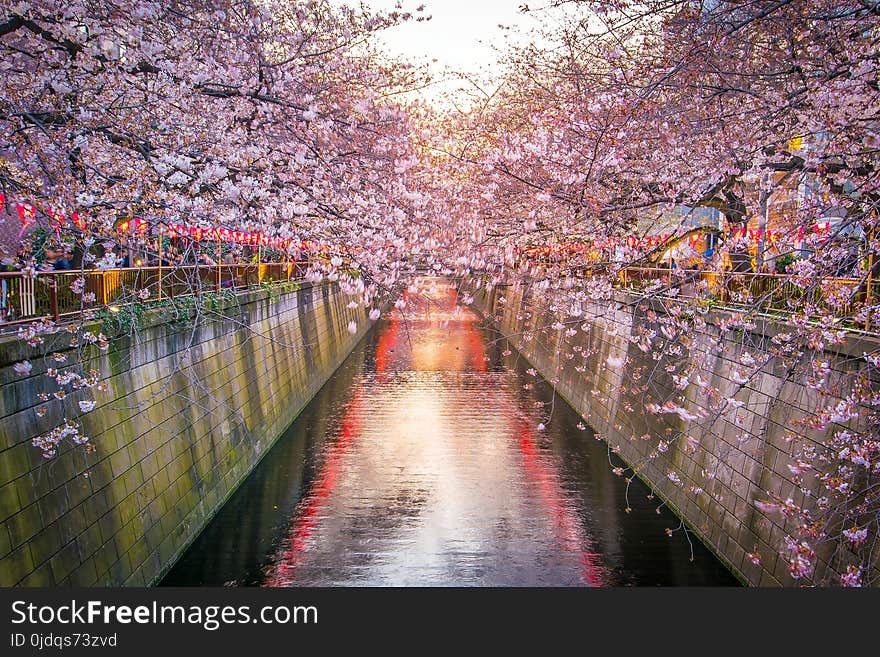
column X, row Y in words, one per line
column 771, row 236
column 27, row 214
column 218, row 234
column 214, row 234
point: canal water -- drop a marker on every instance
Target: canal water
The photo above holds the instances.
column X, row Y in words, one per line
column 432, row 457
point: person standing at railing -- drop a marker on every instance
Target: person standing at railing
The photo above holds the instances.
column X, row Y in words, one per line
column 6, row 264
column 229, row 280
column 153, row 260
column 69, row 256
column 169, row 256
column 54, row 260
column 63, row 262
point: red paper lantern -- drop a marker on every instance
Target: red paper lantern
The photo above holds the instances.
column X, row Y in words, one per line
column 56, row 220
column 26, row 212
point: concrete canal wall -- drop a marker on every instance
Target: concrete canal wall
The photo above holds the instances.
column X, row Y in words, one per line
column 742, row 457
column 187, row 416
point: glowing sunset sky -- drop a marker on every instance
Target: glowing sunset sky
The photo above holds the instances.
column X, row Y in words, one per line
column 459, row 37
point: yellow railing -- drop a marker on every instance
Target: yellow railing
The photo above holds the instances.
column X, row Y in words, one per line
column 26, row 297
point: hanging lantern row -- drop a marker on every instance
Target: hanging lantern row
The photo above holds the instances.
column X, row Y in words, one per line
column 137, row 226
column 27, row 214
column 822, row 228
column 572, row 248
column 57, row 220
column 771, row 236
column 217, row 234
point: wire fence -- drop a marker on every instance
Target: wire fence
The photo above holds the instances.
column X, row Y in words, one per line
column 26, row 296
column 752, row 291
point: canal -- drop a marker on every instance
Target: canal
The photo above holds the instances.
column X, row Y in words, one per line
column 433, row 457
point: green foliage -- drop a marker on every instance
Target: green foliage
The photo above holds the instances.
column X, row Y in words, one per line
column 216, row 301
column 783, row 261
column 38, row 239
column 121, row 320
column 275, row 289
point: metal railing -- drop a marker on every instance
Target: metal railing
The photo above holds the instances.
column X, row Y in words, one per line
column 764, row 292
column 25, row 297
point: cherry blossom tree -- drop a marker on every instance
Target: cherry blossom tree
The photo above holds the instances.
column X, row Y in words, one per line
column 271, row 117
column 286, row 119
column 635, row 107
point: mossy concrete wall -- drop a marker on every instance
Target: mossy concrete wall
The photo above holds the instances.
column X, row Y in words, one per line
column 187, row 414
column 724, row 462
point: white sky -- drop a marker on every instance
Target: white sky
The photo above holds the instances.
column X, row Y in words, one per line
column 459, row 35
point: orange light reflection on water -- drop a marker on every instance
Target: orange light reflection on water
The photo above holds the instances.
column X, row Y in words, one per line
column 434, row 432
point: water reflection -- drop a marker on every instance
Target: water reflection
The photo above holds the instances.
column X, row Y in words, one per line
column 422, row 463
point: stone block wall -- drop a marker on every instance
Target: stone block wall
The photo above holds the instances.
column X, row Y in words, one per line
column 187, row 415
column 723, row 463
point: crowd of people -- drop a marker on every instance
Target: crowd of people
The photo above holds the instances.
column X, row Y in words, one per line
column 57, row 256
column 51, row 255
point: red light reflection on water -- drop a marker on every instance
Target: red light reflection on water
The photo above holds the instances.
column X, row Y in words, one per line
column 308, row 512
column 569, row 530
column 440, row 337
column 386, row 344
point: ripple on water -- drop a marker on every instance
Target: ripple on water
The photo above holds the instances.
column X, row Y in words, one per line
column 421, row 463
